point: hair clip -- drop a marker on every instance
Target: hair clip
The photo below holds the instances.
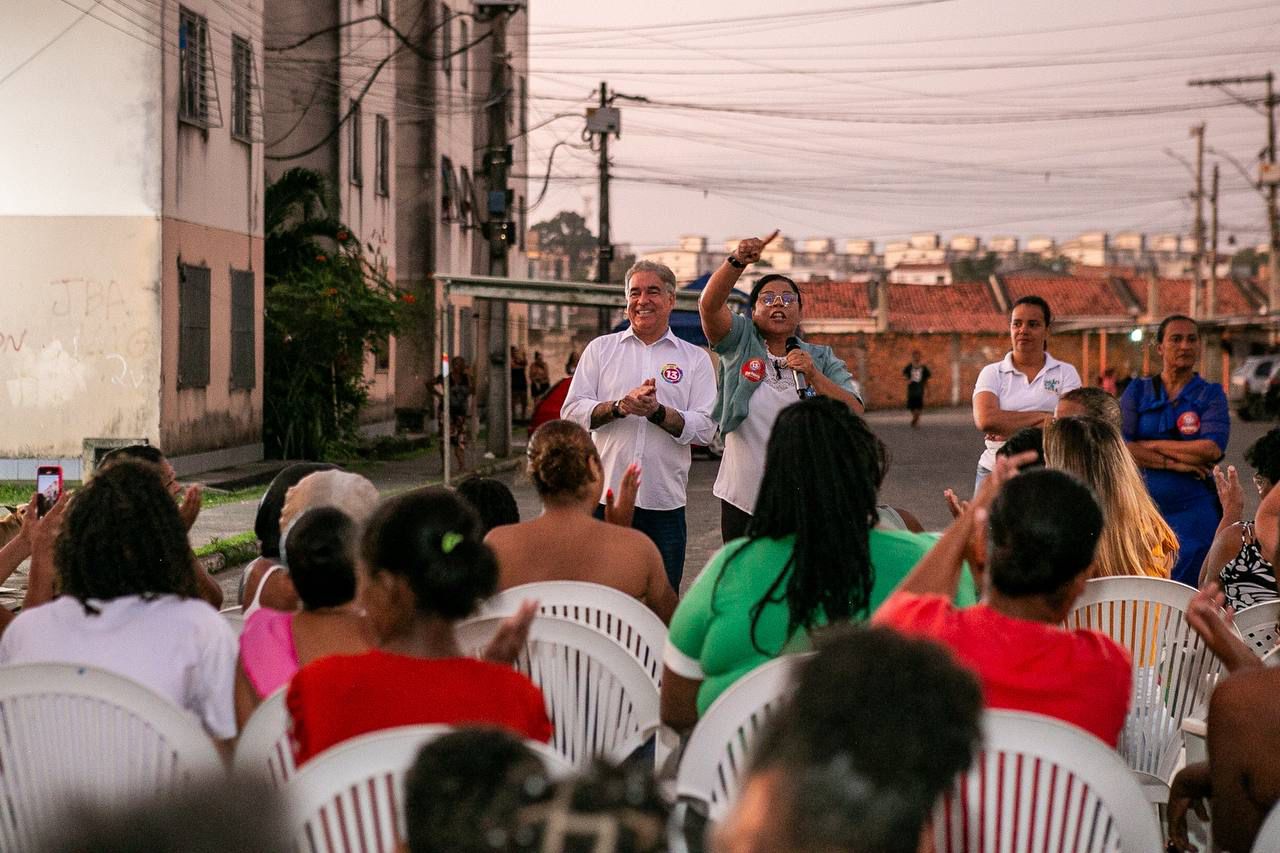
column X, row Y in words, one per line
column 449, row 541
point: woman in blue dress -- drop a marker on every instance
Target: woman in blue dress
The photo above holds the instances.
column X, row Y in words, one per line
column 1177, row 425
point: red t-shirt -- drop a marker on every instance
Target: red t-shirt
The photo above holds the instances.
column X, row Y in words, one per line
column 1081, row 676
column 337, row 698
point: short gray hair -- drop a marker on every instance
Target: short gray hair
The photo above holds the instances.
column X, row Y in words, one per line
column 662, row 271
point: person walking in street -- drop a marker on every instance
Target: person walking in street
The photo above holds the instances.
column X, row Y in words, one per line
column 917, row 375
column 539, row 378
column 1022, row 389
column 646, row 396
column 1176, row 426
column 764, row 367
column 519, row 384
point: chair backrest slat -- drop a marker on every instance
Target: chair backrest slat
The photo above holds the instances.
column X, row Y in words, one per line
column 610, row 611
column 72, row 732
column 1259, row 627
column 263, row 748
column 1041, row 784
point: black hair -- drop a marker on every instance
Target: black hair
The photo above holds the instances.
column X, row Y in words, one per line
column 854, row 777
column 771, row 277
column 829, row 573
column 464, row 790
column 1027, row 438
column 492, row 500
column 122, row 535
column 1173, row 318
column 1045, row 527
column 1038, row 301
column 137, row 452
column 1264, row 455
column 433, row 539
column 266, row 524
column 605, row 810
column 321, row 557
column 212, row 815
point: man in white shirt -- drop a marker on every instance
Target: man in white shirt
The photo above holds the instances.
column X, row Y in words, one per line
column 646, row 396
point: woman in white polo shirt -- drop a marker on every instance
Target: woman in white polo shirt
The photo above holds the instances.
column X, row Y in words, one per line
column 1022, row 389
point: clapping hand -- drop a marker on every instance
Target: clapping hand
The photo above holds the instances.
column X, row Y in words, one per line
column 189, row 510
column 641, row 400
column 748, row 251
column 621, row 510
column 1230, row 495
column 512, row 635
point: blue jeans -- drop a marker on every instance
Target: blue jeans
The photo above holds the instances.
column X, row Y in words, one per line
column 983, row 473
column 667, row 529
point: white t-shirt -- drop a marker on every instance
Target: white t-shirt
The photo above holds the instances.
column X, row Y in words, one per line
column 1016, row 394
column 179, row 647
column 742, row 466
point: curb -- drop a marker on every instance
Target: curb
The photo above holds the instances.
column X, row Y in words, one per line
column 232, row 555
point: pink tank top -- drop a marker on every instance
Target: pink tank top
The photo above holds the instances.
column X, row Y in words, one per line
column 267, row 652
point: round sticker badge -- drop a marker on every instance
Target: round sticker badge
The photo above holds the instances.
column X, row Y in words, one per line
column 753, row 369
column 672, row 373
column 1189, row 423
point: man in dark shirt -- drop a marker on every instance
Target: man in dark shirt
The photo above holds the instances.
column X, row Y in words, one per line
column 917, row 376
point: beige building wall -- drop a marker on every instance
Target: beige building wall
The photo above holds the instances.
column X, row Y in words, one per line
column 79, row 238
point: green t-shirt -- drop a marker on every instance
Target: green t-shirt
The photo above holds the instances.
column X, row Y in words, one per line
column 711, row 640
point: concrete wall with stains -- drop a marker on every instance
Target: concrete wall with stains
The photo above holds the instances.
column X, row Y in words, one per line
column 79, row 332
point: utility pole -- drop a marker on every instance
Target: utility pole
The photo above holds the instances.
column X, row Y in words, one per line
column 1198, row 262
column 1272, row 177
column 1211, row 302
column 498, row 228
column 602, row 121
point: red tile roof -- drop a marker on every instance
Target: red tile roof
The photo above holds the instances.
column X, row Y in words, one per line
column 1069, row 296
column 1174, row 297
column 836, row 300
column 959, row 307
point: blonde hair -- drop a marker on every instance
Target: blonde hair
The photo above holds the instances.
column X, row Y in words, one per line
column 1136, row 540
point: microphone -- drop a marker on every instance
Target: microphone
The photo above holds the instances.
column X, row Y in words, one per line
column 802, row 391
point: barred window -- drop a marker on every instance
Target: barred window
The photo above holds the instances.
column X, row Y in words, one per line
column 241, row 88
column 243, row 356
column 463, row 78
column 355, row 119
column 197, row 83
column 465, row 191
column 382, row 149
column 448, row 190
column 193, row 327
column 446, row 39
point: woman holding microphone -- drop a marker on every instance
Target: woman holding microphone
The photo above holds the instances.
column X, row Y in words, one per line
column 764, row 367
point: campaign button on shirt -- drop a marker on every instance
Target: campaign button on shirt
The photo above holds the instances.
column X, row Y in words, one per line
column 672, row 373
column 1189, row 423
column 753, row 369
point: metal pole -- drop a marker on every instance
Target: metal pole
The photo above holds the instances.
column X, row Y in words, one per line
column 1273, row 214
column 498, row 441
column 446, row 425
column 1198, row 272
column 1211, row 303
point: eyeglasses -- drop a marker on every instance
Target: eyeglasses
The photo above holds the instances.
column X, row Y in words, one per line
column 774, row 298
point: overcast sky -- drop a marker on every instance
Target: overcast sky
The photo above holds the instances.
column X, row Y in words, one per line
column 887, row 117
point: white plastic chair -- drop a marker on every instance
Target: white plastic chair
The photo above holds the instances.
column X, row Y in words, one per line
column 264, row 749
column 1173, row 671
column 1272, row 658
column 610, row 611
column 1258, row 626
column 599, row 698
column 73, row 732
column 1042, row 784
column 1268, row 838
column 716, row 756
column 351, row 796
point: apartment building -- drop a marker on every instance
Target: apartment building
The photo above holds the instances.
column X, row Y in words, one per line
column 131, row 233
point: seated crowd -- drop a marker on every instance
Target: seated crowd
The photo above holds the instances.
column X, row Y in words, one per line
column 353, row 610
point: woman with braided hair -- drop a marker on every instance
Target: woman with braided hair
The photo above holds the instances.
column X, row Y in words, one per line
column 811, row 556
column 422, row 569
column 129, row 599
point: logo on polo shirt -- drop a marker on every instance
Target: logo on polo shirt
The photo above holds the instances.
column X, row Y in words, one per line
column 1052, row 385
column 1189, row 423
column 672, row 373
column 753, row 370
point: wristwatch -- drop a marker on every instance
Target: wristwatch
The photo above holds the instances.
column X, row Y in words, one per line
column 616, row 411
column 659, row 415
column 735, row 263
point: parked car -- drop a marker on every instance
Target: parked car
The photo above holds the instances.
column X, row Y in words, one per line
column 1255, row 387
column 547, row 408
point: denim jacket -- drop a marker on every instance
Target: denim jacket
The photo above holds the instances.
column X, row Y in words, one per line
column 743, row 360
